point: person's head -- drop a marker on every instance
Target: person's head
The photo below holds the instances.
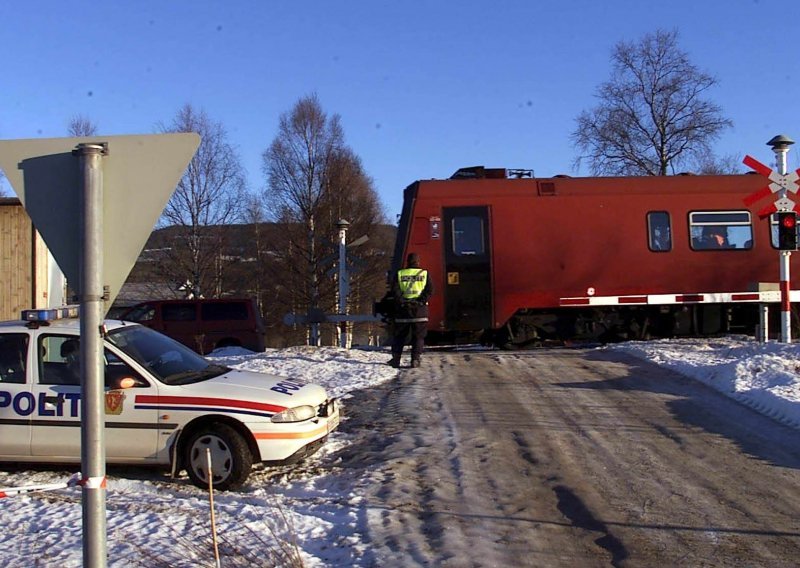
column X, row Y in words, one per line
column 413, row 260
column 69, row 349
column 715, row 234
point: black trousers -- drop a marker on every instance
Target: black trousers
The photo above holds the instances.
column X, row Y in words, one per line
column 401, row 332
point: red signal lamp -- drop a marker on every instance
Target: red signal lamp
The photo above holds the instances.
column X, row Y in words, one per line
column 787, row 230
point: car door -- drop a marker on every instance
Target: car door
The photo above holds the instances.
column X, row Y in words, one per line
column 56, row 424
column 16, row 400
column 56, row 427
column 131, row 432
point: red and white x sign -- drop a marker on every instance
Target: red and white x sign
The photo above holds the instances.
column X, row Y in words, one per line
column 787, row 182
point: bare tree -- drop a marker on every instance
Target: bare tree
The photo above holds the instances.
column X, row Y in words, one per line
column 352, row 197
column 652, row 116
column 709, row 164
column 297, row 166
column 314, row 180
column 80, row 125
column 209, row 196
column 254, row 215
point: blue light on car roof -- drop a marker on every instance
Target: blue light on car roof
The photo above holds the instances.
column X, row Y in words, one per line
column 50, row 314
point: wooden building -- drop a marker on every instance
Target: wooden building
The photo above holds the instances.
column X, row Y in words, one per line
column 29, row 277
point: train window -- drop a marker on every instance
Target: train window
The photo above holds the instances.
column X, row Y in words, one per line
column 468, row 237
column 711, row 230
column 659, row 232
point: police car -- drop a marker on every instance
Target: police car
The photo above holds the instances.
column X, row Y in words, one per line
column 165, row 405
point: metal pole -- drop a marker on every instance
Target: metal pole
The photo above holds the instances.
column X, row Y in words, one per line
column 343, row 225
column 92, row 397
column 786, row 306
column 314, row 337
column 780, row 145
column 763, row 326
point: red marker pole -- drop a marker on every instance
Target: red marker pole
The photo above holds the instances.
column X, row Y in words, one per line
column 780, row 145
column 786, row 306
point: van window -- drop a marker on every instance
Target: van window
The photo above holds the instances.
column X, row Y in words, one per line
column 659, row 232
column 145, row 312
column 710, row 230
column 178, row 312
column 223, row 311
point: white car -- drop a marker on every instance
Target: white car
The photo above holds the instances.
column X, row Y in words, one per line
column 165, row 404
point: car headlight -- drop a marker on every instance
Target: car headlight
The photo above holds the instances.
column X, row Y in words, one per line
column 296, row 414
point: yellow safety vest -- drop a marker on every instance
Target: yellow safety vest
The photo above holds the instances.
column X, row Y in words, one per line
column 412, row 282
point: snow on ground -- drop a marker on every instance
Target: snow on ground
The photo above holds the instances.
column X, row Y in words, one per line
column 765, row 377
column 311, row 514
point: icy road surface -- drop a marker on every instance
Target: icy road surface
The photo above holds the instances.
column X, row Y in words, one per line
column 571, row 458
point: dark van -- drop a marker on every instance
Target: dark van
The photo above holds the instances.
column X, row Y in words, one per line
column 203, row 325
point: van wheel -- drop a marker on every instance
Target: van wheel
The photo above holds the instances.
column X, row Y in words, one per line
column 231, row 459
column 229, row 342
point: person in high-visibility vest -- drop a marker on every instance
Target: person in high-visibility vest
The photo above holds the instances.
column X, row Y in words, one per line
column 411, row 289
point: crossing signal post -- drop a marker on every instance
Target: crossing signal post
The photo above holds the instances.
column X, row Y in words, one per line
column 787, row 230
column 781, row 183
column 780, row 146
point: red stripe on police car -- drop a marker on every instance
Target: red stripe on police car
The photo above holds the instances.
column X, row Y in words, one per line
column 205, row 403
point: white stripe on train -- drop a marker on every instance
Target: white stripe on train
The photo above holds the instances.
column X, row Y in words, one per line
column 675, row 299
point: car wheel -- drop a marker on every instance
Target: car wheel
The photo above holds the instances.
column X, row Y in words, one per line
column 231, row 459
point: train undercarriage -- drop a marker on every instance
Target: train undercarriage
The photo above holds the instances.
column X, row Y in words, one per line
column 536, row 328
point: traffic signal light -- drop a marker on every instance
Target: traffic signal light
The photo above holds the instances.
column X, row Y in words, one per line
column 787, row 230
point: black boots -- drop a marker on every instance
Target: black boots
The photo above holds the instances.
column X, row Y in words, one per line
column 395, row 362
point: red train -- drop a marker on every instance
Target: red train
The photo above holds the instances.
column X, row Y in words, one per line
column 519, row 260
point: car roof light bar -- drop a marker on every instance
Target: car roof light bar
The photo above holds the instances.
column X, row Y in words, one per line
column 50, row 314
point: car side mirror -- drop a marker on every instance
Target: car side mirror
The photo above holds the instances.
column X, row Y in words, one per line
column 127, row 383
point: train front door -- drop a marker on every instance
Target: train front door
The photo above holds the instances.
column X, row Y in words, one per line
column 468, row 275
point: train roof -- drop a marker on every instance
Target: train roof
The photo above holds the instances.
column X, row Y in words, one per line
column 478, row 179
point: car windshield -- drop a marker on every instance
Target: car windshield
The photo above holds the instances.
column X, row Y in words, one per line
column 170, row 362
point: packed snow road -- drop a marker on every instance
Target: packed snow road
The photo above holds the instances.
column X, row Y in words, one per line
column 570, row 458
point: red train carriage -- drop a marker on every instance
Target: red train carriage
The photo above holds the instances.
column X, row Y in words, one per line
column 527, row 260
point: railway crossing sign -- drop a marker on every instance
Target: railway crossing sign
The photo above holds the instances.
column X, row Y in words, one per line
column 782, row 184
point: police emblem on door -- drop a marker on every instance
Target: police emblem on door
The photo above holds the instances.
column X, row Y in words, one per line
column 114, row 402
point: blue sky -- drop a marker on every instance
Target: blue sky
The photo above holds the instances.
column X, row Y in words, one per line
column 422, row 87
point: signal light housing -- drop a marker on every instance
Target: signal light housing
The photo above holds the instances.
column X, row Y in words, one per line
column 787, row 230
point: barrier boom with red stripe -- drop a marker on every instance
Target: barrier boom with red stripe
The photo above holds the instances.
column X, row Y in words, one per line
column 786, row 182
